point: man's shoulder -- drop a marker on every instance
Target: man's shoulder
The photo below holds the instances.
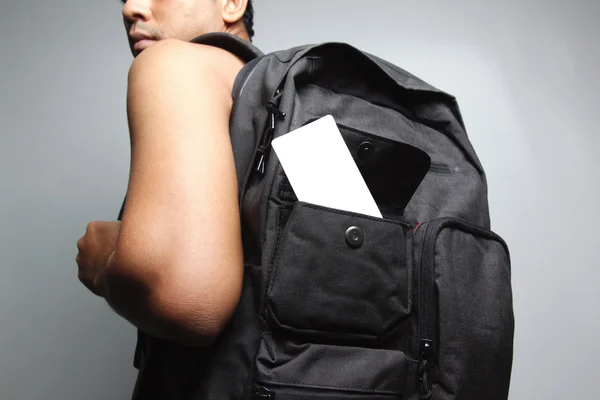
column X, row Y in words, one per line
column 172, row 57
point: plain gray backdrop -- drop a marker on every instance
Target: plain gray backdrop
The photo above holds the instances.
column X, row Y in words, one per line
column 526, row 78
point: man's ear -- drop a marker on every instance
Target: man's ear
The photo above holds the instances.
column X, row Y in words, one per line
column 232, row 11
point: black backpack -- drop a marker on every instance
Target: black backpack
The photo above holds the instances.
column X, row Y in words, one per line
column 339, row 305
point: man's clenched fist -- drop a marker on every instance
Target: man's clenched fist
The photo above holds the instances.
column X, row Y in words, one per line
column 95, row 249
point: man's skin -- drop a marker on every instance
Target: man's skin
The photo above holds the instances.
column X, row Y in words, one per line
column 173, row 267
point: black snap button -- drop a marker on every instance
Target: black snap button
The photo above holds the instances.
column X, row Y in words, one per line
column 354, row 237
column 366, row 150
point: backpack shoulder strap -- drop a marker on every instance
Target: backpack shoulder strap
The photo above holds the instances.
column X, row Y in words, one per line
column 233, row 44
column 243, row 49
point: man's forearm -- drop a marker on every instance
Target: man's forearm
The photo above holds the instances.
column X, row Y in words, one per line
column 132, row 301
column 128, row 298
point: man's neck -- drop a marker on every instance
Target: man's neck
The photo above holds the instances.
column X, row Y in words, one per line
column 238, row 30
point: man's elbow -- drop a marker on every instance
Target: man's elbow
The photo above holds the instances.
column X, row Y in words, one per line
column 191, row 318
column 176, row 306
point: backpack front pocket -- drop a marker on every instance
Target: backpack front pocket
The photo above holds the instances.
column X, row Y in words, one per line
column 466, row 319
column 293, row 370
column 338, row 275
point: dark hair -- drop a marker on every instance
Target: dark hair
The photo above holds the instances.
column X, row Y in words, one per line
column 248, row 19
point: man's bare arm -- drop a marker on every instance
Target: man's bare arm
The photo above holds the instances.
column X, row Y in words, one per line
column 178, row 265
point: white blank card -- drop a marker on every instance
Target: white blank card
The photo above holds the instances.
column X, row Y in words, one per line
column 321, row 169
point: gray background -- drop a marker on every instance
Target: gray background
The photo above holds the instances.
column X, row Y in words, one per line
column 525, row 77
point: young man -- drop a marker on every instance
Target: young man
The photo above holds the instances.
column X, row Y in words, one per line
column 173, row 266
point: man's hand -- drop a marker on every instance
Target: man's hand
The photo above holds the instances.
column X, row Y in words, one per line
column 96, row 247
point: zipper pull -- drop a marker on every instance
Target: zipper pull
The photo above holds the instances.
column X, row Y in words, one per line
column 426, row 350
column 274, row 113
column 427, row 355
column 426, row 391
column 262, row 394
column 260, row 166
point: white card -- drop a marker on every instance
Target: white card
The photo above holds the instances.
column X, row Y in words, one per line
column 321, row 169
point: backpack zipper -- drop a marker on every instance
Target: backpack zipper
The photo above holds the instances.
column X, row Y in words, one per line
column 427, row 350
column 263, row 393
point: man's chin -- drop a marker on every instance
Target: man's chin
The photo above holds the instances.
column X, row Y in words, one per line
column 141, row 45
